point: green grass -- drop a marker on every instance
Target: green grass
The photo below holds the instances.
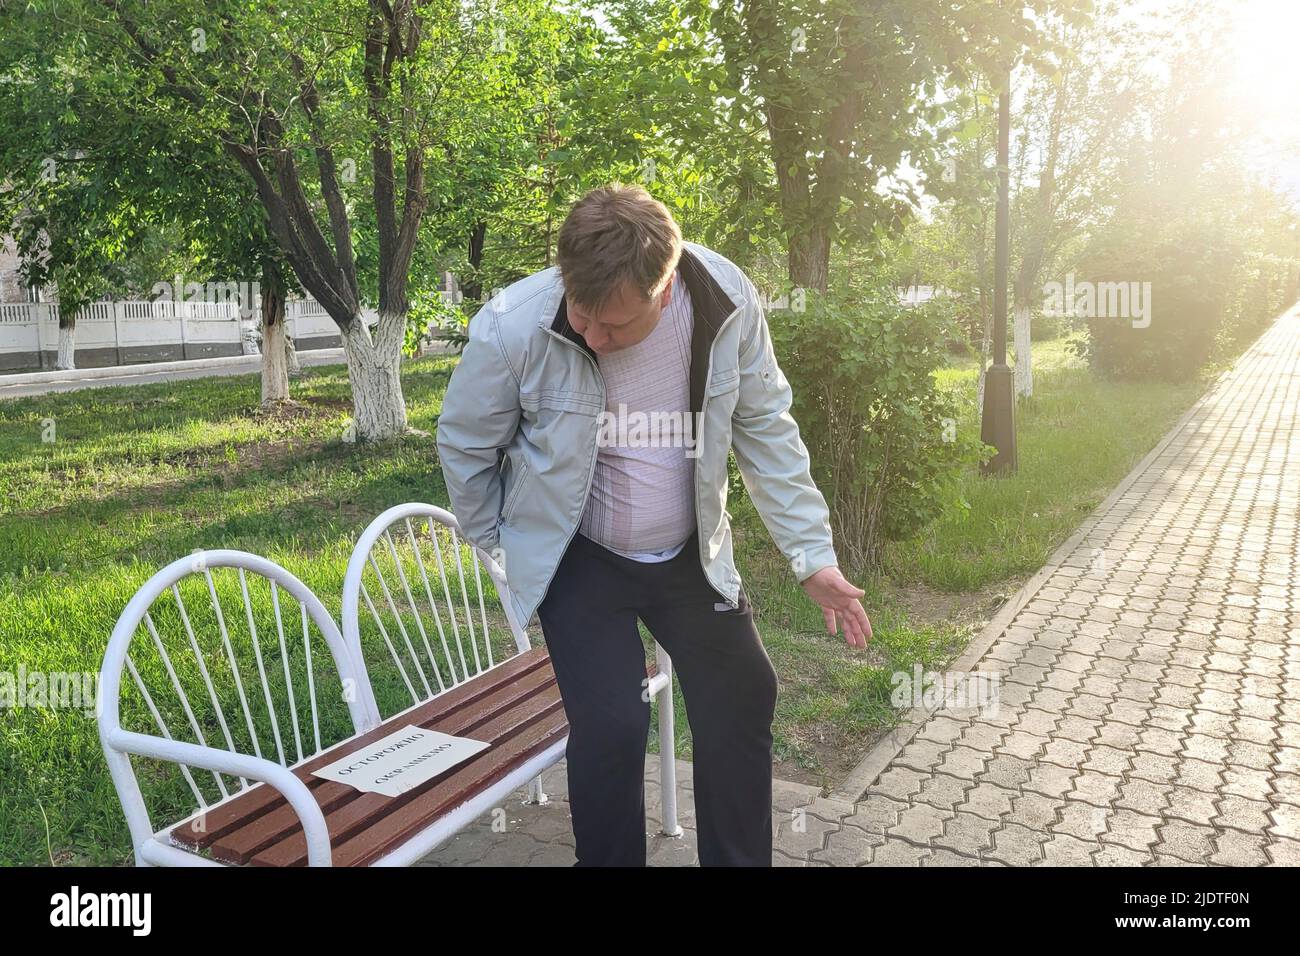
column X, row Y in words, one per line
column 136, row 477
column 1076, row 438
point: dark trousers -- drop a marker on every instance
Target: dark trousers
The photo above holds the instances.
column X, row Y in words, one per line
column 589, row 619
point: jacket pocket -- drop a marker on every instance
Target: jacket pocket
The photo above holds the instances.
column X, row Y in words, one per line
column 723, row 381
column 560, row 400
column 518, row 480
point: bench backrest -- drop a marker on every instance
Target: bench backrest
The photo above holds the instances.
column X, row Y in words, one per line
column 228, row 652
column 422, row 608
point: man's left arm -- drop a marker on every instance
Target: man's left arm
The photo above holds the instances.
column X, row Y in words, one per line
column 773, row 462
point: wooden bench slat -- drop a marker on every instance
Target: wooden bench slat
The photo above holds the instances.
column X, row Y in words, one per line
column 265, row 829
column 504, row 732
column 391, row 830
column 204, row 829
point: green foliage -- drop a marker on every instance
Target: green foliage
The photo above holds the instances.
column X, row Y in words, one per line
column 1191, row 223
column 1187, row 279
column 1266, row 285
column 432, row 316
column 112, row 189
column 1079, row 435
column 1118, row 173
column 882, row 435
column 1047, row 327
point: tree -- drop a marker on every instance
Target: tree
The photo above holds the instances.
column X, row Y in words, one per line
column 93, row 182
column 849, row 92
column 314, row 103
column 1075, row 107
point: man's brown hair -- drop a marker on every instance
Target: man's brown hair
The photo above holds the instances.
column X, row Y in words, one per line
column 613, row 234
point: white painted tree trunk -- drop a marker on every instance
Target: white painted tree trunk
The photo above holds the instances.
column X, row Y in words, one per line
column 986, row 344
column 1024, row 353
column 374, row 371
column 67, row 354
column 275, row 367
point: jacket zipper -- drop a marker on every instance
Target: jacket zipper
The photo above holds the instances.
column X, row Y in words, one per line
column 695, row 471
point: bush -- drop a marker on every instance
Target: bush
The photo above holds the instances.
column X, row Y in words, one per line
column 1046, row 327
column 1206, row 302
column 1183, row 284
column 431, row 318
column 882, row 436
column 1265, row 288
column 1215, row 249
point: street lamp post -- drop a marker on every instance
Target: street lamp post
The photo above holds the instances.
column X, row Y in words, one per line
column 998, row 423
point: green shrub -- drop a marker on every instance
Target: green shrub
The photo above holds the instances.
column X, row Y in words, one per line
column 1181, row 283
column 1265, row 288
column 1046, row 327
column 432, row 318
column 1217, row 254
column 1207, row 302
column 883, row 438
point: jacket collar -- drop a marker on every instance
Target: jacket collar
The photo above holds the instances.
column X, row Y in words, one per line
column 710, row 304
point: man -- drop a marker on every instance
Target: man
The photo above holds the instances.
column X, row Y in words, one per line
column 584, row 438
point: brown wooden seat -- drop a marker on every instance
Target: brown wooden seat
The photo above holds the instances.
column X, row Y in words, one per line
column 514, row 707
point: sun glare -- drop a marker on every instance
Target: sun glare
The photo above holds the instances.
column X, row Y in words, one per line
column 1266, row 37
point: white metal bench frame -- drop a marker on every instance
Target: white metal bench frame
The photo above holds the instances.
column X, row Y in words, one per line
column 156, row 847
column 659, row 686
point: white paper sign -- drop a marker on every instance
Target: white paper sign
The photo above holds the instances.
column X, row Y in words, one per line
column 401, row 761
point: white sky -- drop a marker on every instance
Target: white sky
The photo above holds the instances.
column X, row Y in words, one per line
column 1266, row 37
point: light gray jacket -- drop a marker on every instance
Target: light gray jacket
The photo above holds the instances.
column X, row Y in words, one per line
column 518, row 431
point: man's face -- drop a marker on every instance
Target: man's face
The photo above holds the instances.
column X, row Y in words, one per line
column 626, row 319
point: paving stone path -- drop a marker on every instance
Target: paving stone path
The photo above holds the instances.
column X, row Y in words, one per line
column 1150, row 699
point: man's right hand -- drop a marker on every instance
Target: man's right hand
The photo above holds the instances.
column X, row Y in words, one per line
column 840, row 604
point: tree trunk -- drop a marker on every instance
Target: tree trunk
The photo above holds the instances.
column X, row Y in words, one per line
column 1024, row 374
column 810, row 256
column 275, row 369
column 986, row 346
column 291, row 355
column 375, row 373
column 67, row 354
column 473, row 288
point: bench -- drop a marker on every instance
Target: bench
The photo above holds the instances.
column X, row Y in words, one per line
column 236, row 710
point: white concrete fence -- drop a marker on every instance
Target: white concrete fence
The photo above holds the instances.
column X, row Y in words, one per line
column 127, row 332
column 164, row 330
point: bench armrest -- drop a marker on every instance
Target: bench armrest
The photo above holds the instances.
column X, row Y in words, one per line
column 238, row 765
